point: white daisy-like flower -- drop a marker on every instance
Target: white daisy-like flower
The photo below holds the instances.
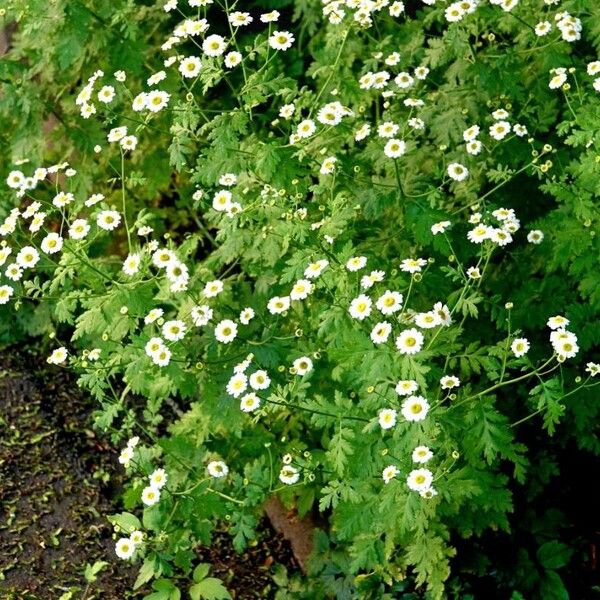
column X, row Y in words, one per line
column 415, row 408
column 15, row 179
column 162, row 258
column 422, row 454
column 405, row 387
column 125, row 548
column 449, row 382
column 150, row 495
column 153, row 315
column 52, row 243
column 222, row 200
column 213, row 288
column 174, row 330
column 237, row 385
column 367, row 281
column 389, row 473
column 543, row 28
column 474, row 147
column 557, row 322
column 394, row 148
column 535, row 236
column 315, row 269
column 500, row 130
column 79, row 229
column 360, row 307
column 302, row 365
column 131, row 265
column 306, row 128
column 520, row 347
column 58, row 356
column 226, row 331
column 214, row 45
column 387, row 418
column 27, row 257
column 500, row 236
column 362, row 132
column 108, row 220
column 404, row 80
column 281, row 40
column 158, row 479
column 302, row 288
column 328, row 165
column 201, row 315
column 410, row 341
column 419, row 479
column 592, row 368
column 428, row 320
column 270, row 17
column 479, row 234
column 440, row 227
column 278, row 304
column 428, row 493
column 154, row 345
column 471, row 133
column 412, row 265
column 106, row 94
column 289, row 475
column 162, row 357
column 117, row 134
column 246, row 316
column 457, row 171
column 240, row 19
column 558, row 80
column 564, row 343
column 156, row 100
column 260, row 380
column 389, row 302
column 232, row 59
column 190, row 66
column 250, row 402
column 63, row 199
column 287, row 111
column 356, row 263
column 217, row 468
column 136, row 537
column 125, row 456
column 381, row 332
column 387, row 129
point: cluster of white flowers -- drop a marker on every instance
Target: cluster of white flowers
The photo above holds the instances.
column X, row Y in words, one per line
column 563, row 342
column 85, row 96
column 569, row 26
column 126, row 546
column 593, row 69
column 500, row 235
column 360, row 11
column 151, row 493
column 506, row 5
column 458, row 10
column 127, row 453
column 176, row 272
column 223, row 201
column 238, row 384
column 419, row 480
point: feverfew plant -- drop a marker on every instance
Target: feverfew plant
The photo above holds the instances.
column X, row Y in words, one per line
column 299, row 254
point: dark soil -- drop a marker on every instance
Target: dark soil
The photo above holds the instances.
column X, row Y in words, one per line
column 250, row 574
column 53, row 492
column 59, row 481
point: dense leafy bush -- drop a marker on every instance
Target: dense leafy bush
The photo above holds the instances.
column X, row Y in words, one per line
column 343, row 252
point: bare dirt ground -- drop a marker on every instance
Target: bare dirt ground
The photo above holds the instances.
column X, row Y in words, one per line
column 59, row 480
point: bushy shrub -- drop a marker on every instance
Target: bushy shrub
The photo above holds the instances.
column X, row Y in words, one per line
column 338, row 252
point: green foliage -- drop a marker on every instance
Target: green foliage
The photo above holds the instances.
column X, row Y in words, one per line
column 237, row 327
